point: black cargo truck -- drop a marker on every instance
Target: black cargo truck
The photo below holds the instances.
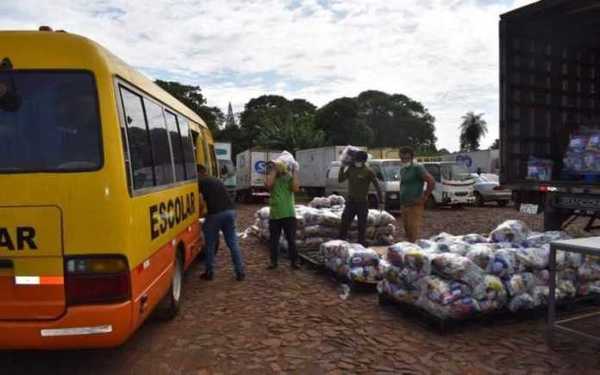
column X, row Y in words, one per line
column 550, row 108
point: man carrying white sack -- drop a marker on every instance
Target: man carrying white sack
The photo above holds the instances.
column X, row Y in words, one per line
column 359, row 178
column 282, row 183
column 413, row 193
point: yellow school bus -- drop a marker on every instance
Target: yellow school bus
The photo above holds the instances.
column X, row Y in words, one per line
column 99, row 201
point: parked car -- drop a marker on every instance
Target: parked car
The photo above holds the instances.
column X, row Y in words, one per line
column 488, row 189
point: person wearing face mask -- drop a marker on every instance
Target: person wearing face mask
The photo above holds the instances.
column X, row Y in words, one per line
column 359, row 177
column 413, row 193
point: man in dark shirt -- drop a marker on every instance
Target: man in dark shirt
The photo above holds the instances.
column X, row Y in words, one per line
column 220, row 216
column 359, row 178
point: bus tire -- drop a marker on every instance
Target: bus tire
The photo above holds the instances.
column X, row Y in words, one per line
column 168, row 307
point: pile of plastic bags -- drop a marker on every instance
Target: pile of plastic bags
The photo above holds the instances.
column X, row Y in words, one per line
column 320, row 222
column 351, row 260
column 460, row 276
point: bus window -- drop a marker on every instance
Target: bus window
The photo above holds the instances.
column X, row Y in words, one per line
column 139, row 142
column 213, row 160
column 205, row 140
column 176, row 145
column 188, row 148
column 163, row 165
column 48, row 122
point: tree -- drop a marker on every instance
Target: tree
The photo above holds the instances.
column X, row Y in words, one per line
column 292, row 133
column 342, row 124
column 270, row 110
column 443, row 151
column 473, row 128
column 192, row 97
column 495, row 145
column 378, row 119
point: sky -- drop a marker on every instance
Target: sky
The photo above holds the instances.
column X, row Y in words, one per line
column 443, row 53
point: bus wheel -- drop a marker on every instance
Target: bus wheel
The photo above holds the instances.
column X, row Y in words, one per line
column 169, row 306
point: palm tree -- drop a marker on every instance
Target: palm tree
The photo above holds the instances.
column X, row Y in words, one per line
column 472, row 129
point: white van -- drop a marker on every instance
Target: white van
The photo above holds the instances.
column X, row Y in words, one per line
column 454, row 184
column 388, row 174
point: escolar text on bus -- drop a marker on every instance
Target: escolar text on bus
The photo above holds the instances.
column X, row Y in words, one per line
column 165, row 215
column 21, row 238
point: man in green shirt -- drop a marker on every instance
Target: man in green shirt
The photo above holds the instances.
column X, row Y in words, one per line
column 359, row 178
column 282, row 184
column 413, row 193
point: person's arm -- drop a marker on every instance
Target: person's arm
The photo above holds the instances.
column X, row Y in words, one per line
column 270, row 180
column 343, row 174
column 430, row 181
column 375, row 183
column 295, row 182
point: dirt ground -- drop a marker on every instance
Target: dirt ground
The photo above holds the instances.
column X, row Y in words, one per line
column 295, row 322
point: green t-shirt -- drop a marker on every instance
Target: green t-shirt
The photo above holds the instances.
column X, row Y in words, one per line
column 359, row 180
column 412, row 183
column 281, row 201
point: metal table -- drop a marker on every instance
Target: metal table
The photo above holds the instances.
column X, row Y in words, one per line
column 587, row 246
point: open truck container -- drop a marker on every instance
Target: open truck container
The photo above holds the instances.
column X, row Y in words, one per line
column 549, row 94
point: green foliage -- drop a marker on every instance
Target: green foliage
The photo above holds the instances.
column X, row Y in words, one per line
column 192, row 97
column 495, row 145
column 268, row 111
column 292, row 133
column 378, row 119
column 472, row 129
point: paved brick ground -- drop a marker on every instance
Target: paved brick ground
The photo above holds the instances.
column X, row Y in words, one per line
column 295, row 322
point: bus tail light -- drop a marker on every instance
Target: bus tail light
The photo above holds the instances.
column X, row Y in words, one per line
column 97, row 280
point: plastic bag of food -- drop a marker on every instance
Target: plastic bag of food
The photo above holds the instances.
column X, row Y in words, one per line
column 536, row 240
column 406, row 254
column 455, row 246
column 520, row 283
column 330, row 219
column 349, row 155
column 398, row 293
column 480, row 254
column 385, row 230
column 459, row 309
column 367, row 274
column 587, row 288
column 589, row 271
column 264, row 213
column 443, row 237
column 510, row 231
column 456, row 267
column 443, row 291
column 473, row 238
column 289, row 161
column 334, row 248
column 522, row 302
column 336, row 200
column 503, row 264
column 532, row 258
column 320, row 202
column 578, row 142
column 495, row 295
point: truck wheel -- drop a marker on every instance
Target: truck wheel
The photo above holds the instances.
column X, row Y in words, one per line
column 479, row 200
column 168, row 307
column 502, row 203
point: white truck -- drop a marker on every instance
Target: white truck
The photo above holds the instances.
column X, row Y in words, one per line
column 314, row 164
column 224, row 159
column 251, row 173
column 454, row 185
column 486, row 161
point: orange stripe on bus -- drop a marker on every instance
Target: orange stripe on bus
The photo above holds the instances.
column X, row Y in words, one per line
column 52, row 280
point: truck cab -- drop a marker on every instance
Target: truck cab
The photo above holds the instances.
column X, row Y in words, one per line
column 454, row 184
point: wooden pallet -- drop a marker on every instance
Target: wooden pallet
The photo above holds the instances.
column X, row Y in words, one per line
column 448, row 325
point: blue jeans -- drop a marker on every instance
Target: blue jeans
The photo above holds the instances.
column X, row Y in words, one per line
column 225, row 222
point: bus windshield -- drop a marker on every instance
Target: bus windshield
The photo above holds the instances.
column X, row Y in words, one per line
column 49, row 121
column 455, row 172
